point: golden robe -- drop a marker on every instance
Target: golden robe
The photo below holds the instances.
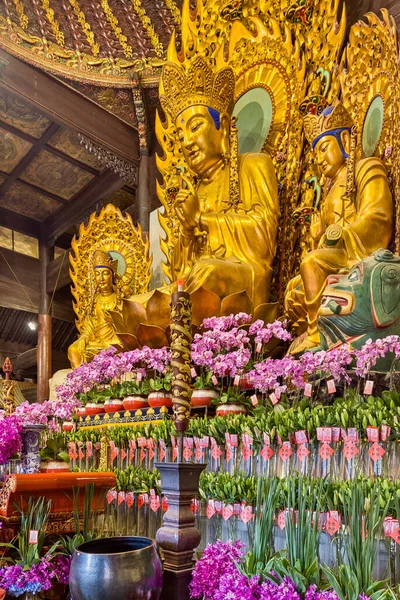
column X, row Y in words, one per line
column 233, row 247
column 367, row 226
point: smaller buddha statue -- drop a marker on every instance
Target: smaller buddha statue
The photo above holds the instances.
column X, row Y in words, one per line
column 97, row 331
column 353, row 220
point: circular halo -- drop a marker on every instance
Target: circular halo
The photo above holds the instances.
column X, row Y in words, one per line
column 254, row 111
column 121, row 270
column 373, row 125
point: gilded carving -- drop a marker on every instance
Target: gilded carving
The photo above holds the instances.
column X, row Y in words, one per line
column 109, row 261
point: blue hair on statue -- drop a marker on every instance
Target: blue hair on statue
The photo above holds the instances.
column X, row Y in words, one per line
column 216, row 117
column 333, row 132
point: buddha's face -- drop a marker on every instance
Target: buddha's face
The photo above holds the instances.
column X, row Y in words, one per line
column 104, row 280
column 329, row 156
column 202, row 143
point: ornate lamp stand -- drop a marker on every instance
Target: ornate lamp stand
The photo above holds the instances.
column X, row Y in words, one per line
column 178, row 536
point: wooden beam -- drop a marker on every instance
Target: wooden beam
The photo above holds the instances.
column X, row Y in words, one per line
column 20, row 223
column 60, row 221
column 25, row 294
column 68, row 107
column 58, row 273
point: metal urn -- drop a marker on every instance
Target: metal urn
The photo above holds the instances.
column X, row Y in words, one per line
column 117, row 568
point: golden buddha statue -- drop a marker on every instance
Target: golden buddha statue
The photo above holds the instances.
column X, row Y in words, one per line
column 353, row 220
column 98, row 330
column 227, row 205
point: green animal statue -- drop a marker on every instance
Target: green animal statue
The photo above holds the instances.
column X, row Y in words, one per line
column 362, row 304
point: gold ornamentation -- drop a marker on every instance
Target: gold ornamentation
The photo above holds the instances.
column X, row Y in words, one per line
column 181, row 340
column 103, row 462
column 8, row 488
column 198, row 86
column 370, row 69
column 147, row 24
column 55, row 27
column 112, row 19
column 109, row 261
column 80, row 15
column 174, row 10
column 348, row 226
column 315, row 126
column 23, row 19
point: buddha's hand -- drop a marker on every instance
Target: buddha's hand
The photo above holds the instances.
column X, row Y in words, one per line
column 316, row 227
column 80, row 344
column 187, row 205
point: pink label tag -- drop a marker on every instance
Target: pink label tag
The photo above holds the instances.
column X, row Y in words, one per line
column 274, row 398
column 228, row 454
column 281, row 520
column 210, row 509
column 259, row 347
column 331, row 386
column 162, row 453
column 155, row 503
column 216, row 452
column 123, row 454
column 254, row 400
column 302, row 452
column 174, row 453
column 247, row 514
column 130, row 499
column 33, row 536
column 385, row 432
column 193, row 372
column 300, row 437
column 376, row 451
column 308, row 390
column 214, row 380
column 373, row 434
column 138, row 377
column 267, row 452
column 236, row 381
column 111, row 495
column 121, row 498
column 227, row 512
column 369, row 386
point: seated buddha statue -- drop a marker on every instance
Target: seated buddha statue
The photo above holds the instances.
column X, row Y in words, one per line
column 97, row 330
column 227, row 204
column 353, row 221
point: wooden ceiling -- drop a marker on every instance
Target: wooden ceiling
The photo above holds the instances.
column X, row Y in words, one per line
column 43, row 165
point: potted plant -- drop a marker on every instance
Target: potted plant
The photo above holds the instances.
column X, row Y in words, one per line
column 204, row 391
column 232, row 401
column 94, row 402
column 135, row 396
column 31, row 570
column 54, row 455
column 160, row 389
column 114, row 398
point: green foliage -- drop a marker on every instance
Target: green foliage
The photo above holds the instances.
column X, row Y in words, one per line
column 88, row 517
column 55, row 449
column 138, row 480
column 35, row 518
column 364, row 519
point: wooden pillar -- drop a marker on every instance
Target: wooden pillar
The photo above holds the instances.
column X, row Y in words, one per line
column 44, row 351
column 143, row 193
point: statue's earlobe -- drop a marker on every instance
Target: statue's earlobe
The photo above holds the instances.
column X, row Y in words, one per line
column 345, row 137
column 225, row 129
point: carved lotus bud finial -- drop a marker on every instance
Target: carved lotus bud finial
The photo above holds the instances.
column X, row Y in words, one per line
column 7, row 367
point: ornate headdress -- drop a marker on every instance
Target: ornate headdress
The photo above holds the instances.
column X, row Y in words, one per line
column 103, row 260
column 332, row 121
column 197, row 85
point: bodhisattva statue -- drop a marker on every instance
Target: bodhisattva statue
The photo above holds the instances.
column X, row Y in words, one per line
column 227, row 205
column 98, row 330
column 354, row 220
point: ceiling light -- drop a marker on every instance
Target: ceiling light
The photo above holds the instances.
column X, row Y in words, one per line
column 32, row 325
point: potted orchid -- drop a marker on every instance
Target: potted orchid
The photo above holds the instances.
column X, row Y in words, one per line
column 204, row 391
column 93, row 401
column 113, row 396
column 232, row 401
column 160, row 389
column 54, row 455
column 135, row 392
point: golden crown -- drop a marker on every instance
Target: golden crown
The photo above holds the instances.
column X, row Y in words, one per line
column 197, row 85
column 103, row 259
column 333, row 117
